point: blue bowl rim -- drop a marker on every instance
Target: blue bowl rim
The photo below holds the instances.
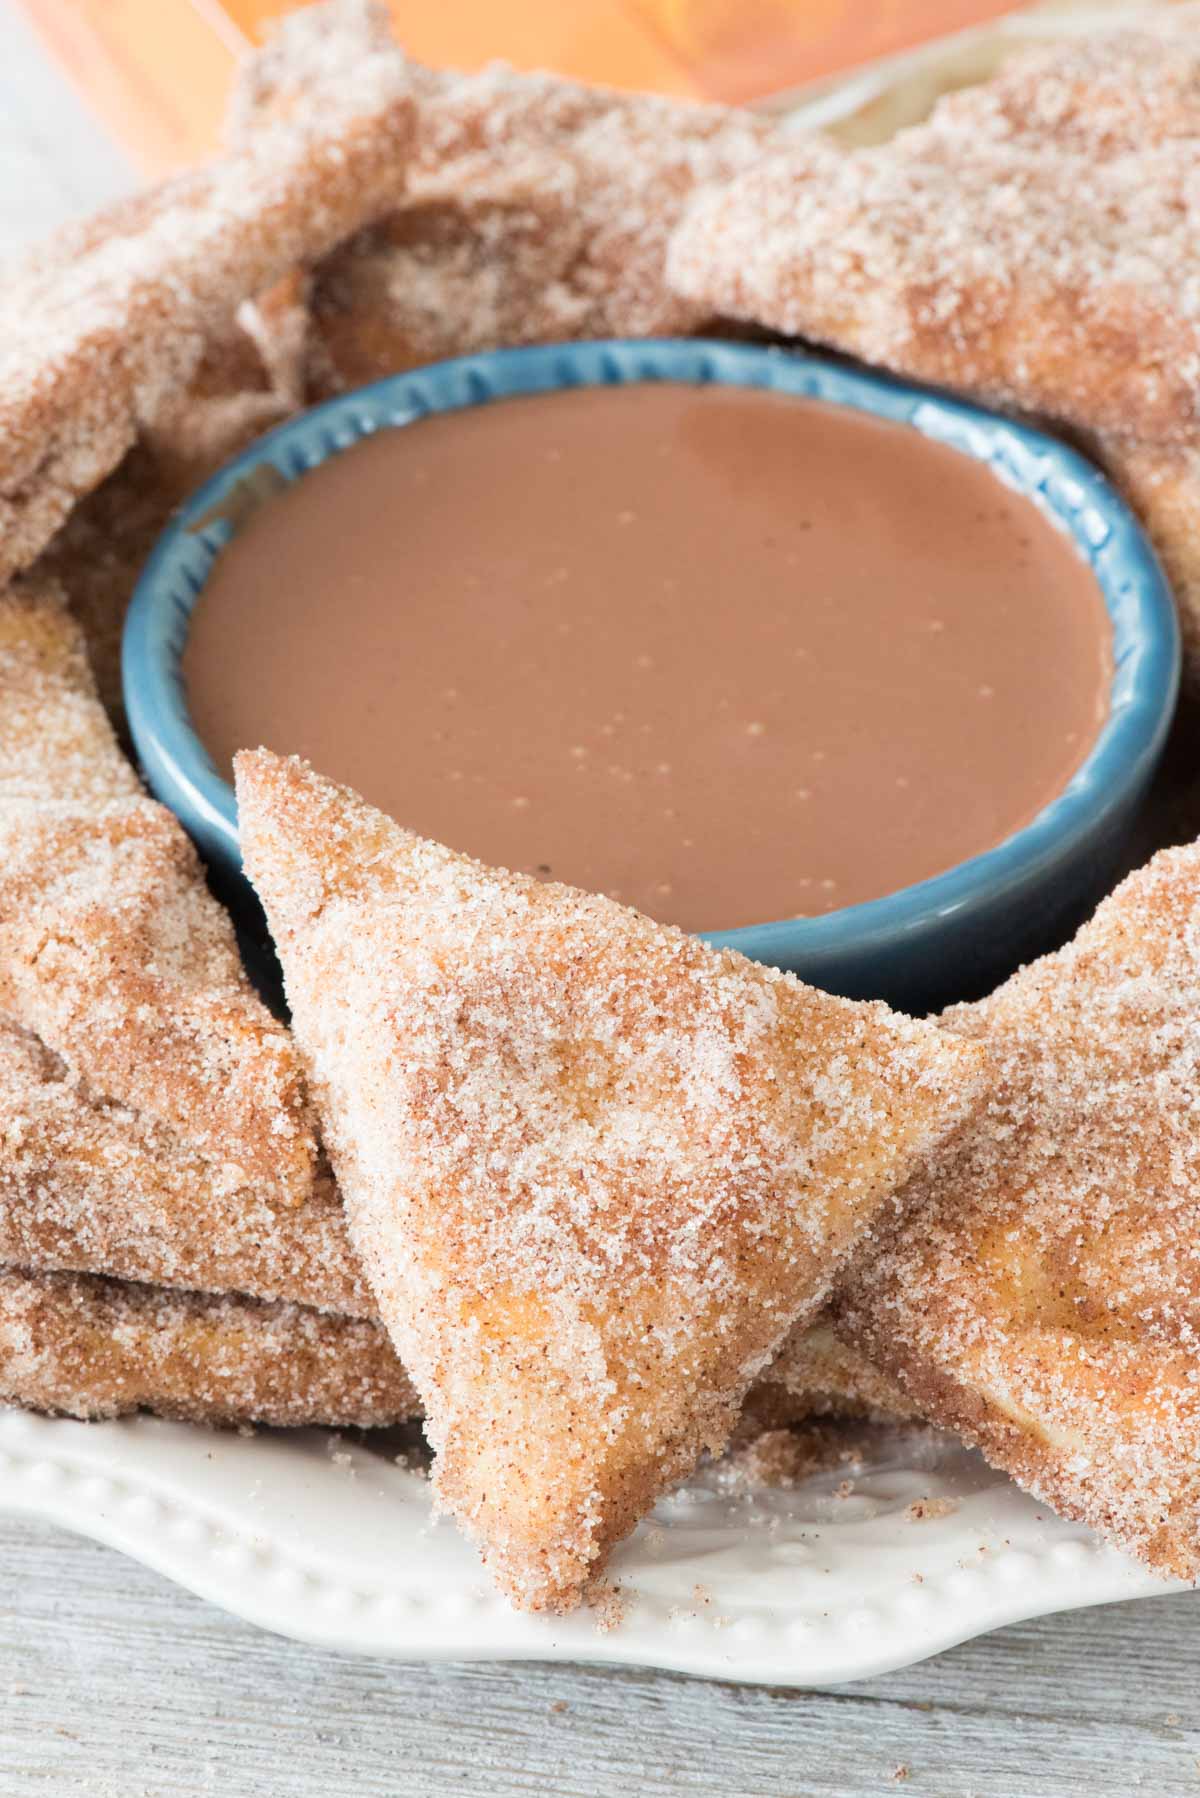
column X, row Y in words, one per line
column 1064, row 485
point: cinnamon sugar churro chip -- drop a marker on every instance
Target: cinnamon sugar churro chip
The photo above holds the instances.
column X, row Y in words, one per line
column 112, row 951
column 538, row 209
column 595, row 1169
column 56, row 745
column 1033, row 241
column 94, row 1348
column 104, row 326
column 1043, row 1294
column 88, row 1185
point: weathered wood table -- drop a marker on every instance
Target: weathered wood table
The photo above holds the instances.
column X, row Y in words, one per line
column 115, row 1684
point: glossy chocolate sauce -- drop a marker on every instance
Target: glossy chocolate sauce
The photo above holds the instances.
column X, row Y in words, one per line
column 727, row 655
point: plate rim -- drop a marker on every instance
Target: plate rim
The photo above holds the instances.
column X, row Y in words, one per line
column 124, row 1483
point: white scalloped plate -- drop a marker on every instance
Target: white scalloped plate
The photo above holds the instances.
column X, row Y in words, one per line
column 334, row 1543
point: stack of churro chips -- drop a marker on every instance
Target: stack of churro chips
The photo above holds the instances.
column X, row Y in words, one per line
column 154, row 1126
column 572, row 1185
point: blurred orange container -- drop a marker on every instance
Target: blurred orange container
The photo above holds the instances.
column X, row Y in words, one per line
column 157, row 71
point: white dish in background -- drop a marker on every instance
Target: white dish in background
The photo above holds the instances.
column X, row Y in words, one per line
column 870, row 103
column 317, row 1537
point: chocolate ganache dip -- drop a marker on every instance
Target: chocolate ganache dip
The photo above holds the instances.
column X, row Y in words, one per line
column 727, row 655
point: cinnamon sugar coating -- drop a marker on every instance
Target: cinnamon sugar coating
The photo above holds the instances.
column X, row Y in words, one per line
column 112, row 950
column 88, row 1185
column 1034, row 241
column 103, row 327
column 55, row 742
column 306, row 53
column 1042, row 1297
column 536, row 209
column 595, row 1169
column 93, row 1348
column 114, row 953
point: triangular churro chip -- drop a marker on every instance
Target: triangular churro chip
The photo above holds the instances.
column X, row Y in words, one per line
column 112, row 950
column 1043, row 1294
column 594, row 1168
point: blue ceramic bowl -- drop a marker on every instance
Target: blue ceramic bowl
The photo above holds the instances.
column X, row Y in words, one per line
column 950, row 936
